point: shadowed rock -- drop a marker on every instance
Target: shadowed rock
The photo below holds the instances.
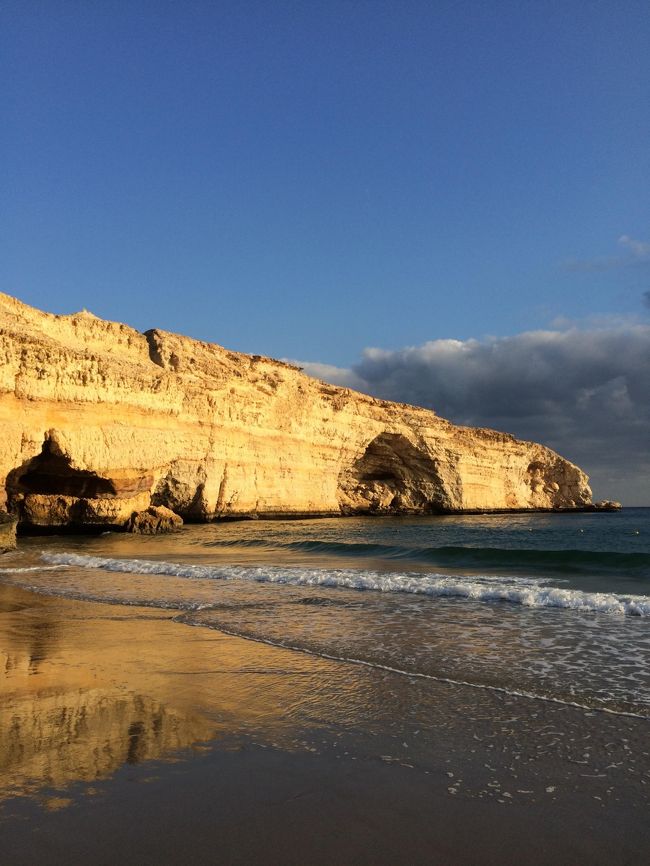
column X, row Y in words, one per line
column 153, row 521
column 392, row 476
column 7, row 532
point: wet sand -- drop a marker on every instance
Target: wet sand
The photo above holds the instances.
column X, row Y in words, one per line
column 127, row 737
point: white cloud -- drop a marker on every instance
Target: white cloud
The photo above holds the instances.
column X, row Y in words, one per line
column 636, row 252
column 639, row 249
column 330, row 373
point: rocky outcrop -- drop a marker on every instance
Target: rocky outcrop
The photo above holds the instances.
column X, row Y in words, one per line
column 153, row 521
column 100, row 421
column 7, row 532
column 607, row 505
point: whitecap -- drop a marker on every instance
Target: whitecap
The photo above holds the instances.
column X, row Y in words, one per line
column 528, row 592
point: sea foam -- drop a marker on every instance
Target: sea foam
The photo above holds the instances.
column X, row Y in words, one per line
column 528, row 592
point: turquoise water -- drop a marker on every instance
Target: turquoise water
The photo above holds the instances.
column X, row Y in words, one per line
column 552, row 606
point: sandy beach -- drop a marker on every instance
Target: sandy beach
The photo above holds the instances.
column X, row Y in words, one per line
column 128, row 737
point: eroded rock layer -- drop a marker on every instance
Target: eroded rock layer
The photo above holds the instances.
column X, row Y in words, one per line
column 100, row 422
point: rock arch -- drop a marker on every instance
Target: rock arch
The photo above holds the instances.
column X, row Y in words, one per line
column 392, row 476
column 47, row 491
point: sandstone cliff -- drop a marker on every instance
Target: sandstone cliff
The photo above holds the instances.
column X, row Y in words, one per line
column 100, row 421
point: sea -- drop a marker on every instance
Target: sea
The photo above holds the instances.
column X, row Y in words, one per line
column 547, row 607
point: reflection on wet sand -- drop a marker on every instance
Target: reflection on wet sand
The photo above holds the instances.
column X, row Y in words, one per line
column 85, row 689
column 53, row 739
column 65, row 714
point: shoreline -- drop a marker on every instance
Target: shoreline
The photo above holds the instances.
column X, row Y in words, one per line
column 26, row 530
column 133, row 736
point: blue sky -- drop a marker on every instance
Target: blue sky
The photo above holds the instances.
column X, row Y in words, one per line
column 308, row 179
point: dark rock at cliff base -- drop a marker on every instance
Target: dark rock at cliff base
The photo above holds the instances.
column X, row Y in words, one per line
column 7, row 532
column 153, row 521
column 607, row 505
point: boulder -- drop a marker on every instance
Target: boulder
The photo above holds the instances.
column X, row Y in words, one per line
column 153, row 521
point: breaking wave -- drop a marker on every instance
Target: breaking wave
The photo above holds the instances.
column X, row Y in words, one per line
column 528, row 592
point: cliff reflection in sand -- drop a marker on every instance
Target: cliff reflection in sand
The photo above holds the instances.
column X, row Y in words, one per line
column 87, row 688
column 66, row 716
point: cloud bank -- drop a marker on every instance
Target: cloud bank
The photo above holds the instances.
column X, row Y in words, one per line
column 585, row 393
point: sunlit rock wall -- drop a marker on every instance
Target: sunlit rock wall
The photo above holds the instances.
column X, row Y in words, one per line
column 99, row 420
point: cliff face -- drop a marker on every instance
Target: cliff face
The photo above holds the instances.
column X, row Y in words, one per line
column 99, row 420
